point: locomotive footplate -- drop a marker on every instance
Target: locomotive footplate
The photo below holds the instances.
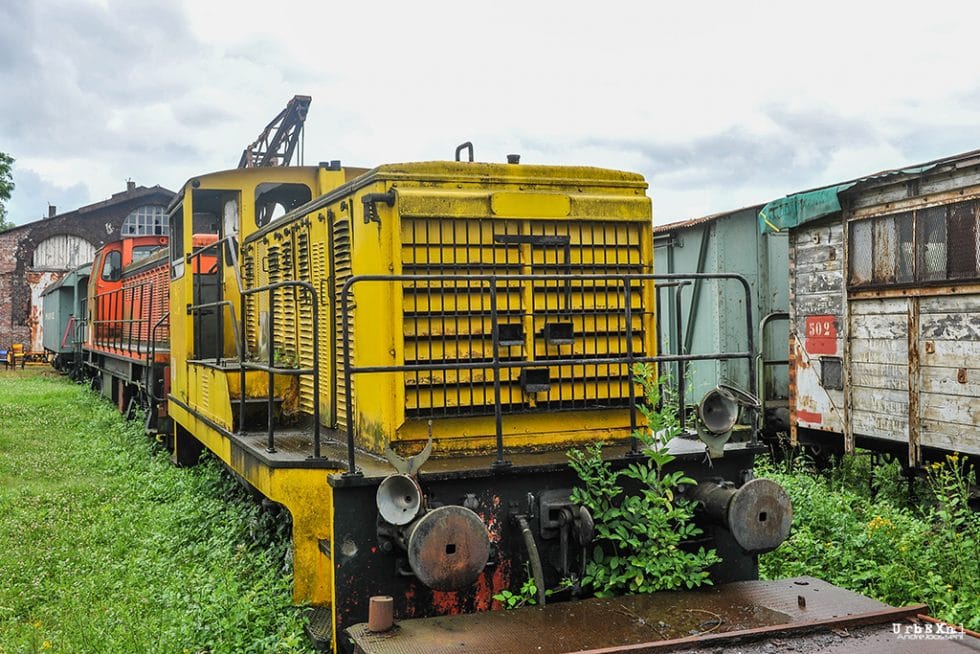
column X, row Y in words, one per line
column 802, row 613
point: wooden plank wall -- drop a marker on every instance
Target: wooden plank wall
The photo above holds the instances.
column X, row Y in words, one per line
column 816, row 291
column 949, row 346
column 878, row 392
column 914, row 353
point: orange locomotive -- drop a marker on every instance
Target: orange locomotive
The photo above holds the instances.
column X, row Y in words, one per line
column 125, row 342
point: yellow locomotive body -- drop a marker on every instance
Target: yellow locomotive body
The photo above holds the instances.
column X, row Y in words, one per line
column 354, row 315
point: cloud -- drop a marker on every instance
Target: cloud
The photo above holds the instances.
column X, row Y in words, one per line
column 793, row 145
column 717, row 106
column 98, row 93
column 33, row 194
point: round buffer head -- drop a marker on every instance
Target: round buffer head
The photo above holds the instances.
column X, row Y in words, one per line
column 448, row 548
column 759, row 515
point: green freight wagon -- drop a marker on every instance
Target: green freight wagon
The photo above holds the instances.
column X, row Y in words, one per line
column 710, row 316
column 63, row 311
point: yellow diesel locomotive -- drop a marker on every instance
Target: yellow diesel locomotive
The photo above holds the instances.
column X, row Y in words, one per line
column 400, row 357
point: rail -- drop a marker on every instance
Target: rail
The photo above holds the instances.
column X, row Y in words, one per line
column 496, row 363
column 79, row 335
column 200, row 308
column 238, row 328
column 216, row 245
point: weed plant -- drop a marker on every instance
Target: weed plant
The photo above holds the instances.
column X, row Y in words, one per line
column 640, row 531
column 868, row 538
column 106, row 547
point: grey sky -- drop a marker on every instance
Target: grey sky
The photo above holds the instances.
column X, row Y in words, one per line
column 718, row 105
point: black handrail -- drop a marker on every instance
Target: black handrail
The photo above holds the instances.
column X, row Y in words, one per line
column 763, row 362
column 624, row 279
column 273, row 370
column 152, row 356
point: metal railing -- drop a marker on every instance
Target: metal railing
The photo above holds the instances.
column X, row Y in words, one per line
column 273, row 370
column 491, row 284
column 151, row 357
column 762, row 363
column 112, row 331
column 238, row 328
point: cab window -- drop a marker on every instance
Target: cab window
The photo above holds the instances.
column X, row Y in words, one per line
column 112, row 266
column 274, row 200
column 177, row 241
column 143, row 251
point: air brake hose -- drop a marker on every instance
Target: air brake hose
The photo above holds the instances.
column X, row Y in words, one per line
column 532, row 554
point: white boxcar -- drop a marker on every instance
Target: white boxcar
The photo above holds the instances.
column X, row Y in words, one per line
column 885, row 310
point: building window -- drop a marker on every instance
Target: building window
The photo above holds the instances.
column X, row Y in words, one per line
column 933, row 245
column 146, row 221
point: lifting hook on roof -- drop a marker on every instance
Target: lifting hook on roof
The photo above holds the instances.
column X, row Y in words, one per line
column 464, row 146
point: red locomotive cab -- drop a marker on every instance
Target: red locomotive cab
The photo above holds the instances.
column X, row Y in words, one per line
column 108, row 309
column 107, row 280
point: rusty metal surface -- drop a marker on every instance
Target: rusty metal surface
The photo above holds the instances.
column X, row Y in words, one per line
column 760, row 515
column 870, row 639
column 634, row 622
column 277, row 142
column 694, row 222
column 915, row 451
column 37, row 281
column 448, row 548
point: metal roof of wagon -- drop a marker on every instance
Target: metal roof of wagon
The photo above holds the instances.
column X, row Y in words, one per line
column 802, row 207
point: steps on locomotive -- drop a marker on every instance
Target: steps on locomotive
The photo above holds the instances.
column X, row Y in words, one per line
column 257, row 413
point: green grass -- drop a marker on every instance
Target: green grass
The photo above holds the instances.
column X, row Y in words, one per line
column 106, row 547
column 878, row 544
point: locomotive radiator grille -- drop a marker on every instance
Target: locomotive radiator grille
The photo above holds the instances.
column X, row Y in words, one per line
column 565, row 318
column 305, row 272
column 250, row 310
column 343, row 271
column 284, row 301
column 259, row 263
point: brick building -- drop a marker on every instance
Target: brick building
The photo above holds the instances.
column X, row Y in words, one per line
column 36, row 254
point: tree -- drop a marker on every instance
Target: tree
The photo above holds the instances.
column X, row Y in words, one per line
column 6, row 188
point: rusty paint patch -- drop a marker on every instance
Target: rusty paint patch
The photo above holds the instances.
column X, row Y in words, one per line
column 37, row 282
column 915, row 454
column 791, row 387
column 918, row 291
column 448, row 548
column 801, row 361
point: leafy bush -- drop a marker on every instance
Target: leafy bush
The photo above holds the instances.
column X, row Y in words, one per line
column 876, row 545
column 639, row 535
